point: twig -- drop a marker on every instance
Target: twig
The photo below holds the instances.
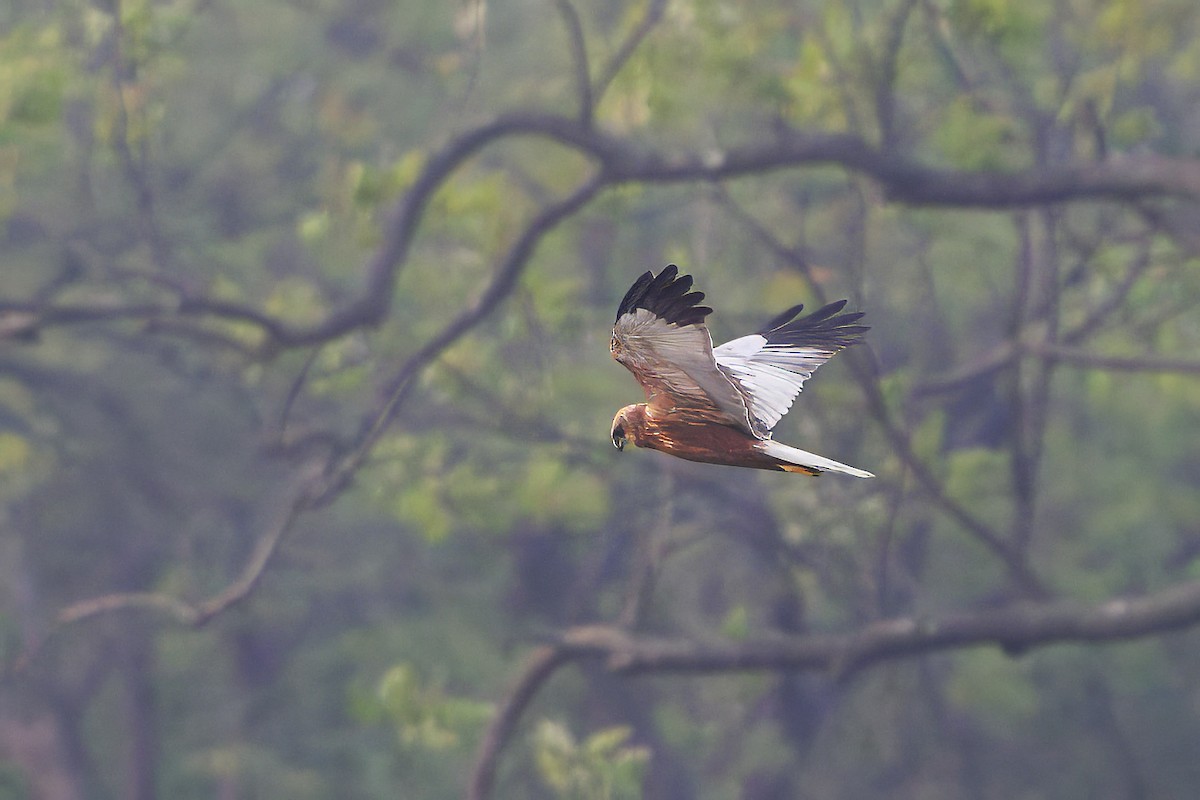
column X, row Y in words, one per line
column 653, row 15
column 504, row 280
column 294, row 391
column 885, row 100
column 1018, row 567
column 302, row 487
column 1084, row 359
column 579, row 56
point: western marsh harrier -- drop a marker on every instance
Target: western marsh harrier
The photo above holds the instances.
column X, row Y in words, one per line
column 718, row 405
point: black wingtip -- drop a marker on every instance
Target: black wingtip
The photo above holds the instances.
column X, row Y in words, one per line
column 631, row 298
column 824, row 327
column 667, row 296
column 779, row 320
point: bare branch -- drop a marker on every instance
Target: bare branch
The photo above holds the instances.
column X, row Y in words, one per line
column 997, row 358
column 297, row 497
column 885, row 86
column 1018, row 567
column 265, row 548
column 1103, row 310
column 579, row 56
column 1014, row 560
column 1016, row 629
column 134, row 165
column 181, row 610
column 653, row 15
column 1003, row 354
column 541, row 665
column 624, row 161
column 504, row 280
column 1077, row 357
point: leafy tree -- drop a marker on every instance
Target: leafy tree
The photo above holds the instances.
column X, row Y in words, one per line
column 304, row 483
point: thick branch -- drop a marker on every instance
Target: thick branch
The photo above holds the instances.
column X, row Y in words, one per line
column 1015, row 629
column 626, row 161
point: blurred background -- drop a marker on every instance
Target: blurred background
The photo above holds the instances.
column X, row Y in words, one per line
column 305, row 394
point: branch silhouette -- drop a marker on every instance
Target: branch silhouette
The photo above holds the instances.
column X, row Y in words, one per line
column 1015, row 629
column 624, row 160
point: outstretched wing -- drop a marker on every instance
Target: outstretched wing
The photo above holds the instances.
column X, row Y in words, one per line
column 660, row 337
column 769, row 367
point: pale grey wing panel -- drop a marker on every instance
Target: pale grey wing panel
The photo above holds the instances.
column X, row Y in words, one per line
column 678, row 361
column 768, row 376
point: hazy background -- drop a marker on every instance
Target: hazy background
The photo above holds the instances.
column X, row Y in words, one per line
column 305, row 394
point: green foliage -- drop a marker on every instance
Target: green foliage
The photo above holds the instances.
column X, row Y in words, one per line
column 424, row 715
column 601, row 767
column 250, row 152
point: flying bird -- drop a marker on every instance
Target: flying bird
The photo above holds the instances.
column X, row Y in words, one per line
column 718, row 405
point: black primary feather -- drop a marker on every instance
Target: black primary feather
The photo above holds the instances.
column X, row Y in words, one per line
column 824, row 327
column 667, row 296
column 780, row 320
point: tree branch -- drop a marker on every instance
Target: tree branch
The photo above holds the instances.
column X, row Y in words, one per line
column 296, row 498
column 541, row 665
column 653, row 15
column 1015, row 629
column 1015, row 561
column 1084, row 359
column 504, row 280
column 625, row 161
column 579, row 56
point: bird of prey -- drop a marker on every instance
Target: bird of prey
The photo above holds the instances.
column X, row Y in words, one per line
column 718, row 405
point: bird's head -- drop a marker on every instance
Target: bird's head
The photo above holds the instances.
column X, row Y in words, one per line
column 625, row 423
column 618, row 432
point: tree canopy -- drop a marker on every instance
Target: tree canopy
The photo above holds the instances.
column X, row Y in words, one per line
column 305, row 483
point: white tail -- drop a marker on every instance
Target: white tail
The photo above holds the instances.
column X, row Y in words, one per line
column 803, row 458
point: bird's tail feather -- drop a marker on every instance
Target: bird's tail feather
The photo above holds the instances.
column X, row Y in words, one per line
column 809, row 463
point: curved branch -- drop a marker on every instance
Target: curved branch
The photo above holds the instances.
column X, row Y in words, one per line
column 297, row 497
column 1014, row 560
column 541, row 665
column 579, row 56
column 504, row 280
column 624, row 160
column 316, row 483
column 1015, row 629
